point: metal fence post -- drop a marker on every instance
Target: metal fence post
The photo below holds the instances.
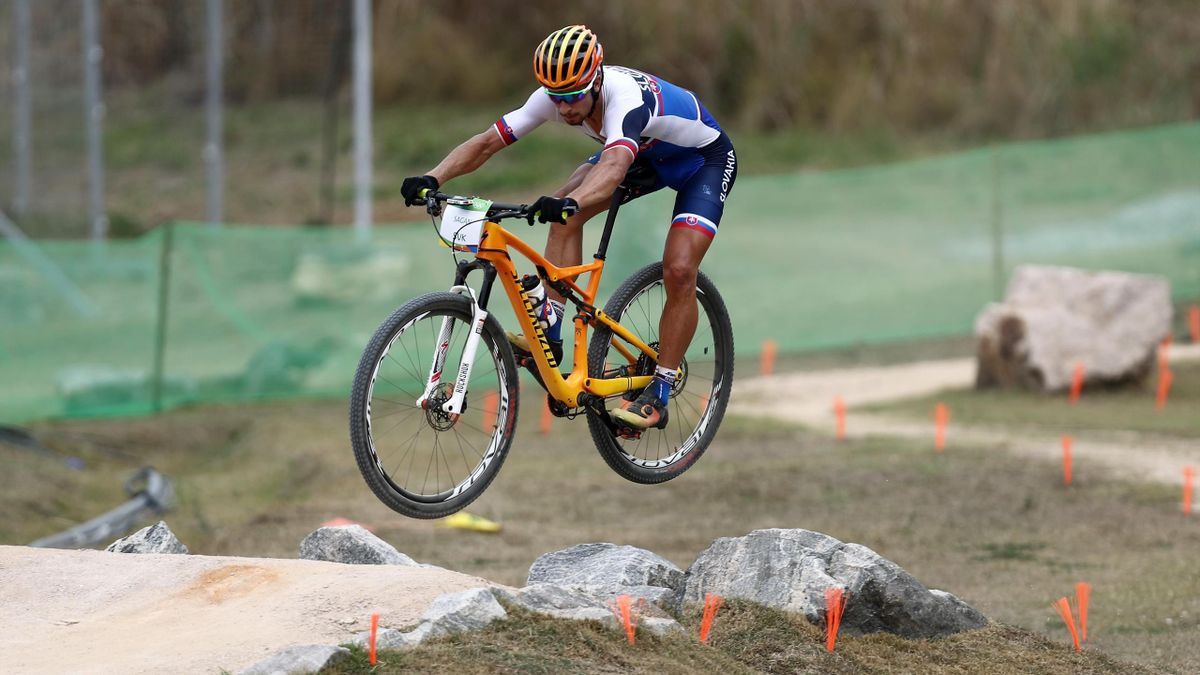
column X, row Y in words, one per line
column 160, row 329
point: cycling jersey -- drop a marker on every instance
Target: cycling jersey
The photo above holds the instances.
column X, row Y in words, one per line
column 664, row 127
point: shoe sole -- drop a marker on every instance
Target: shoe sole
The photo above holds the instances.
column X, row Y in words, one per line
column 636, row 421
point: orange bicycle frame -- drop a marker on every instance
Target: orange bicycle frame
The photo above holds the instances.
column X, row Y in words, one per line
column 494, row 246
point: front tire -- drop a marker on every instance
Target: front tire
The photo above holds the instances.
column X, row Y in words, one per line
column 699, row 399
column 419, row 460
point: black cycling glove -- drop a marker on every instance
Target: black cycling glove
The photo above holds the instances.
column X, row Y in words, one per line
column 553, row 209
column 411, row 188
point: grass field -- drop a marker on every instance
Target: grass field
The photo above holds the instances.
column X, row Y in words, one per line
column 997, row 531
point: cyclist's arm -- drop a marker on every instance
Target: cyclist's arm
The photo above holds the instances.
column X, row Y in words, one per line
column 599, row 183
column 468, row 156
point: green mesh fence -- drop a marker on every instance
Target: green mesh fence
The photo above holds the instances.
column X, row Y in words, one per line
column 810, row 260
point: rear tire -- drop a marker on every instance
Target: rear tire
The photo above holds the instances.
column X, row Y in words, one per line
column 442, row 463
column 699, row 399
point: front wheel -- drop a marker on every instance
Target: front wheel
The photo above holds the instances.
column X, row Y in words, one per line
column 700, row 395
column 418, row 459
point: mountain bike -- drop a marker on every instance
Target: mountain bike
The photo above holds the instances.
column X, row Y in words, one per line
column 434, row 405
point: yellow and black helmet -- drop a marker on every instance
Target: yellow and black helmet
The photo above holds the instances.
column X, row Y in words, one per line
column 568, row 59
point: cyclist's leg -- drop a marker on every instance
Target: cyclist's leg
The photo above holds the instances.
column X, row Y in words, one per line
column 698, row 209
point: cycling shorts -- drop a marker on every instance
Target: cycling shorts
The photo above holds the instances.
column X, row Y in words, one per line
column 701, row 177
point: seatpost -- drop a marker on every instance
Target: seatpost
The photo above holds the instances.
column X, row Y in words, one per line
column 617, row 198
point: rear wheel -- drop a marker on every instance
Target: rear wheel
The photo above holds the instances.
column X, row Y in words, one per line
column 418, row 459
column 700, row 395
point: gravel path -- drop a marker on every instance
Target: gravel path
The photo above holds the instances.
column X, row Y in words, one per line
column 807, row 398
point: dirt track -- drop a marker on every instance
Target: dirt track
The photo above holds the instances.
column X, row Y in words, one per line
column 98, row 612
column 807, row 397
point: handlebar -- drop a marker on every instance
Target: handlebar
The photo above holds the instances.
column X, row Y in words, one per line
column 432, row 201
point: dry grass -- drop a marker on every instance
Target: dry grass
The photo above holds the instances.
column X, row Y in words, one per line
column 998, row 532
column 745, row 639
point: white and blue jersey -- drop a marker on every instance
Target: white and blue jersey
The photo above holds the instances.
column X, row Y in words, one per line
column 664, row 127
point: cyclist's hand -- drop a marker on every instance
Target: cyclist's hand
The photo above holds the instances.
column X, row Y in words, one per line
column 411, row 188
column 553, row 209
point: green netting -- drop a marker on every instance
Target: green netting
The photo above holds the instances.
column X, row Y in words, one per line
column 810, row 260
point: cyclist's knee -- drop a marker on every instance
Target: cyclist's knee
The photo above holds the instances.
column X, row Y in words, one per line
column 679, row 274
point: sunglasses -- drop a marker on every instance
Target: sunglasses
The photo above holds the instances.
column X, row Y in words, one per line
column 573, row 96
column 569, row 97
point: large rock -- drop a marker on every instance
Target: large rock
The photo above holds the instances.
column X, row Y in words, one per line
column 610, row 569
column 580, row 605
column 299, row 659
column 790, row 570
column 156, row 538
column 353, row 545
column 1053, row 318
column 450, row 613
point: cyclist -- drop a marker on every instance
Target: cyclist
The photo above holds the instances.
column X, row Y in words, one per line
column 655, row 135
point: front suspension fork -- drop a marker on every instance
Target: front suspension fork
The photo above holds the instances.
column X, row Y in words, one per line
column 454, row 405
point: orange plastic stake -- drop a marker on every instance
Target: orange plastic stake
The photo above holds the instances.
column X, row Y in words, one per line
column 768, row 356
column 547, row 418
column 1194, row 323
column 1076, row 383
column 1189, row 475
column 835, row 604
column 1163, row 350
column 374, row 628
column 491, row 404
column 1064, row 610
column 711, row 604
column 622, row 607
column 1066, row 446
column 1083, row 592
column 839, row 412
column 1164, row 388
column 941, row 416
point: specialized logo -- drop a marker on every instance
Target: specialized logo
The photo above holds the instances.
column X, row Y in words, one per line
column 727, row 175
column 537, row 326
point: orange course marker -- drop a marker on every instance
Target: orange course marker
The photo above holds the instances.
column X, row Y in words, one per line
column 491, row 404
column 711, row 604
column 839, row 413
column 769, row 349
column 547, row 418
column 622, row 607
column 1083, row 592
column 1064, row 610
column 941, row 416
column 1189, row 475
column 1066, row 446
column 1164, row 388
column 835, row 604
column 1194, row 323
column 1163, row 348
column 1076, row 383
column 374, row 628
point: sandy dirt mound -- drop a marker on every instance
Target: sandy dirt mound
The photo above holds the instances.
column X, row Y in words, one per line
column 98, row 612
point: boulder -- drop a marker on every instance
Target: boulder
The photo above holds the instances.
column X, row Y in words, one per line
column 610, row 568
column 299, row 659
column 450, row 613
column 790, row 570
column 581, row 604
column 353, row 545
column 1053, row 318
column 156, row 538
